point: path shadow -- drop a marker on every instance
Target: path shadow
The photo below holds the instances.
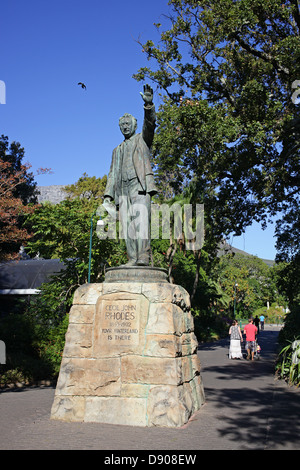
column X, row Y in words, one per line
column 264, row 419
column 249, row 405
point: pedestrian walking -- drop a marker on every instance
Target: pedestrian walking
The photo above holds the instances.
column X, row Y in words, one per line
column 235, row 351
column 262, row 322
column 251, row 331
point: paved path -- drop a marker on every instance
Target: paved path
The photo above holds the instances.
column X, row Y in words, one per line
column 245, row 409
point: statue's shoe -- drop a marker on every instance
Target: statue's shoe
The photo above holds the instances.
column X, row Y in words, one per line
column 130, row 263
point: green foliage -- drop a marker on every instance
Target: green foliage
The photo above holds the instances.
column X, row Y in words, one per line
column 287, row 278
column 23, row 362
column 248, row 281
column 228, row 121
column 87, row 187
column 35, row 336
column 288, row 365
column 63, row 231
column 51, row 346
column 60, row 231
column 288, row 361
column 291, row 329
column 274, row 314
column 209, row 326
column 14, row 154
column 49, row 308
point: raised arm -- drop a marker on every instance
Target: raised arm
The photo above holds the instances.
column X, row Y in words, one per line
column 150, row 115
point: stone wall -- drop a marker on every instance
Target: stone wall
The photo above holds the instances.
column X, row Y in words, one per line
column 130, row 357
column 54, row 194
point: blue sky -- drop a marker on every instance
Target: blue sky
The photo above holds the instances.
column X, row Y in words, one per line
column 46, row 49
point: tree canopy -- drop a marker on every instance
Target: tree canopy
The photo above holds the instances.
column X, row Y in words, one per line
column 229, row 121
column 88, row 187
column 17, row 195
column 248, row 281
column 12, row 156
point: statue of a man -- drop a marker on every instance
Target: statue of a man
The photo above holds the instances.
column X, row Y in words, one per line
column 130, row 182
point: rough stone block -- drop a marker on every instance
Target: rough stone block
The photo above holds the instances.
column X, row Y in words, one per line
column 158, row 292
column 82, row 314
column 115, row 287
column 130, row 356
column 162, row 346
column 165, row 318
column 150, row 370
column 119, row 410
column 80, row 376
column 78, row 340
column 167, row 406
column 87, row 294
column 69, row 408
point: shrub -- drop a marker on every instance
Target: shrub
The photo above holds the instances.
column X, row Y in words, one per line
column 23, row 363
column 288, row 361
column 288, row 365
column 209, row 326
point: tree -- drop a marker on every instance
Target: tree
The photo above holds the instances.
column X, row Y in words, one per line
column 63, row 231
column 12, row 155
column 287, row 279
column 228, row 119
column 12, row 235
column 17, row 190
column 87, row 187
column 59, row 231
column 248, row 281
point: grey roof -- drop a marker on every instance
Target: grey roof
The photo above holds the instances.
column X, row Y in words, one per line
column 26, row 276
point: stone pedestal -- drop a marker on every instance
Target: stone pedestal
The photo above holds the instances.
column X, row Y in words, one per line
column 130, row 355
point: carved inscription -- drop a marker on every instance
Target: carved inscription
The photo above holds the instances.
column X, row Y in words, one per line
column 120, row 322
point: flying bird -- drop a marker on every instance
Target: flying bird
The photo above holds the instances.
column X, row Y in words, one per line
column 82, row 85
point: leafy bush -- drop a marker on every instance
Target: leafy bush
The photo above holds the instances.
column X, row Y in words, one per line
column 291, row 329
column 274, row 314
column 288, row 361
column 23, row 362
column 33, row 352
column 51, row 347
column 209, row 326
column 288, row 365
column 35, row 337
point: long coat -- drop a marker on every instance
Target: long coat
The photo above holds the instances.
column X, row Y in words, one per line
column 141, row 144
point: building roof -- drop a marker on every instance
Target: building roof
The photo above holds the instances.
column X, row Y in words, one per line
column 24, row 277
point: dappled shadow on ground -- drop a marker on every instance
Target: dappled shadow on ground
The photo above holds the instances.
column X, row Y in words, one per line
column 262, row 419
column 247, row 404
column 284, row 423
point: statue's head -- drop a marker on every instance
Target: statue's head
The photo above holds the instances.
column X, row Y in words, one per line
column 128, row 125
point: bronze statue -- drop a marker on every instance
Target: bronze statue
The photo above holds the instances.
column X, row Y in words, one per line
column 130, row 182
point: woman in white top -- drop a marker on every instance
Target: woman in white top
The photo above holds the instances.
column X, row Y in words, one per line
column 235, row 351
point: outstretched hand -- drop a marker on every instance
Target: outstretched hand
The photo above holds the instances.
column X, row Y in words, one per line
column 147, row 95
